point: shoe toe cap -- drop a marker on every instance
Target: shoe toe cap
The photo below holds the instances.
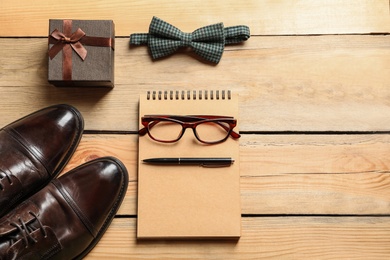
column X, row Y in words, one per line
column 51, row 134
column 97, row 188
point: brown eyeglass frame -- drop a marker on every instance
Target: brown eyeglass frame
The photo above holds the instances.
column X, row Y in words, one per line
column 192, row 122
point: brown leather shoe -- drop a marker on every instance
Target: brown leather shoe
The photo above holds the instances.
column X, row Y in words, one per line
column 67, row 218
column 34, row 149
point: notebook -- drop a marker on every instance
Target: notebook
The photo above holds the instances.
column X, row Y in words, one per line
column 188, row 201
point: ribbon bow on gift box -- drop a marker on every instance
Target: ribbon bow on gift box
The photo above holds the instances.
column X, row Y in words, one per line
column 208, row 42
column 73, row 40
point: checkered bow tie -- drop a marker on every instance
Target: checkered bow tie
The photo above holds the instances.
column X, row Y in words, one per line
column 208, row 42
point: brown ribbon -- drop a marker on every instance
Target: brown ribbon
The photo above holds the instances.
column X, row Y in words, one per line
column 67, row 41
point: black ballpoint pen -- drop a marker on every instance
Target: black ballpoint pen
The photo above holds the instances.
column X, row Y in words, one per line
column 205, row 161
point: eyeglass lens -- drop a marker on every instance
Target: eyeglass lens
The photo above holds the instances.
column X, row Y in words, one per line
column 212, row 131
column 165, row 130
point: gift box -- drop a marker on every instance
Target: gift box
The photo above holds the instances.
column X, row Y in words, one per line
column 81, row 53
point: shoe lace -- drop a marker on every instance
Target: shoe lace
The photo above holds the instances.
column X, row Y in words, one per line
column 25, row 231
column 2, row 176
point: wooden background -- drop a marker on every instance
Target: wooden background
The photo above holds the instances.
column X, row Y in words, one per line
column 314, row 85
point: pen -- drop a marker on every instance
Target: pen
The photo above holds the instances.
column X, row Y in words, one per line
column 206, row 162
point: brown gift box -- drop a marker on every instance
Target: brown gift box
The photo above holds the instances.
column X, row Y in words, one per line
column 71, row 41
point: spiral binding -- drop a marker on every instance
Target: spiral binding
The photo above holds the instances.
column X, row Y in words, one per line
column 189, row 95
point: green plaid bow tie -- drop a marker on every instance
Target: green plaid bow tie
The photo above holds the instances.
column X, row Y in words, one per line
column 208, row 42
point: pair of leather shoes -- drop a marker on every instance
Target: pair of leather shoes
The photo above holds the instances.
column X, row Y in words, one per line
column 44, row 217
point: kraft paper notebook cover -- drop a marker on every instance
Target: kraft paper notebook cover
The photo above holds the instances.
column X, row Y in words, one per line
column 188, row 201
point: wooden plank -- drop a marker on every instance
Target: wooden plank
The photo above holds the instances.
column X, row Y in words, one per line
column 284, row 174
column 262, row 238
column 317, row 83
column 263, row 17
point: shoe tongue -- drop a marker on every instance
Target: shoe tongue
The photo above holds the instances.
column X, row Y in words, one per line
column 13, row 232
column 46, row 246
column 21, row 213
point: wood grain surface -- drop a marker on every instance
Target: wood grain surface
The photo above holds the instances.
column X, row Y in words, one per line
column 262, row 238
column 284, row 174
column 314, row 88
column 30, row 18
column 286, row 83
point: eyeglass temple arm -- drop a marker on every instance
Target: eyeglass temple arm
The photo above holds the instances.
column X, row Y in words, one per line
column 235, row 134
column 232, row 132
column 143, row 131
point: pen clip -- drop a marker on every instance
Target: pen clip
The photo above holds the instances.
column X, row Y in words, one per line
column 205, row 165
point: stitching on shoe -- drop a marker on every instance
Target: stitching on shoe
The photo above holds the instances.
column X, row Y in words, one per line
column 113, row 210
column 49, row 253
column 75, row 208
column 36, row 154
column 14, row 198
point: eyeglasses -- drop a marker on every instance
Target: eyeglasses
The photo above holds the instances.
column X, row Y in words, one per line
column 208, row 129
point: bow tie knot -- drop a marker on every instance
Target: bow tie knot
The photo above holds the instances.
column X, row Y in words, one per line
column 208, row 42
column 186, row 39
